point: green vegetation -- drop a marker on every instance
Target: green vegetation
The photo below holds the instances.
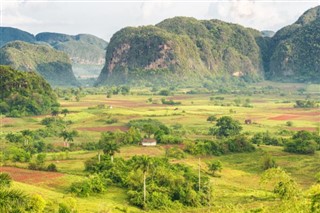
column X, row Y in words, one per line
column 182, row 50
column 24, row 93
column 87, row 52
column 52, row 65
column 295, row 50
column 229, row 145
column 9, row 34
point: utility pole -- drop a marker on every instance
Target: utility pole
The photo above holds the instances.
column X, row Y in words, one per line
column 199, row 174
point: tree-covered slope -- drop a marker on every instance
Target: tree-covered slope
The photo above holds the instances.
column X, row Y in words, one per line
column 144, row 53
column 24, row 93
column 295, row 50
column 53, row 65
column 85, row 51
column 182, row 49
column 8, row 34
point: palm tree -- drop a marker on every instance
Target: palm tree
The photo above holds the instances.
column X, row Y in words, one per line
column 108, row 145
column 11, row 200
column 143, row 163
column 68, row 136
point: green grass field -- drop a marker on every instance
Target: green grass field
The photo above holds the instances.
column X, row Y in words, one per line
column 237, row 189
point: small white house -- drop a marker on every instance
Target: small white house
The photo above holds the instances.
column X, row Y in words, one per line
column 148, row 142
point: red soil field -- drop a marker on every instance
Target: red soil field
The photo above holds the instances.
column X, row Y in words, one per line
column 6, row 120
column 113, row 103
column 29, row 176
column 103, row 128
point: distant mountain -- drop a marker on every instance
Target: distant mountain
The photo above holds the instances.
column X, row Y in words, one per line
column 182, row 49
column 8, row 34
column 24, row 93
column 54, row 66
column 267, row 33
column 87, row 52
column 295, row 50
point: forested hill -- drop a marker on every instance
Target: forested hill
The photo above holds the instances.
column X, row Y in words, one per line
column 54, row 66
column 183, row 49
column 87, row 52
column 24, row 93
column 188, row 50
column 8, row 34
column 295, row 50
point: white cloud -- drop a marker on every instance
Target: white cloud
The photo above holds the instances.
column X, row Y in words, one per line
column 260, row 15
column 104, row 19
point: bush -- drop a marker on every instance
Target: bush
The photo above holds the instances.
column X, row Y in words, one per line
column 52, row 167
column 212, row 118
column 302, row 142
column 169, row 139
column 175, row 152
column 165, row 92
column 111, row 121
column 92, row 185
column 268, row 162
column 169, row 102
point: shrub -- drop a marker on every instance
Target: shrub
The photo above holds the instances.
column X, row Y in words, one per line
column 212, row 118
column 52, row 167
column 268, row 162
column 93, row 184
column 175, row 152
column 165, row 92
column 302, row 142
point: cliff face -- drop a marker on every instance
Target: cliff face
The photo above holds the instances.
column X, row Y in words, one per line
column 182, row 49
column 54, row 66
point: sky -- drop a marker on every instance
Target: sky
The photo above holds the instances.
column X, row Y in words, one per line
column 105, row 17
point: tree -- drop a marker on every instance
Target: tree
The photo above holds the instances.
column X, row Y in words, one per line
column 68, row 136
column 143, row 163
column 54, row 112
column 214, row 166
column 12, row 200
column 283, row 185
column 5, row 180
column 108, row 144
column 212, row 118
column 226, row 126
column 302, row 142
column 65, row 112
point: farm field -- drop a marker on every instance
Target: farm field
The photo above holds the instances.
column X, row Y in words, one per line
column 237, row 186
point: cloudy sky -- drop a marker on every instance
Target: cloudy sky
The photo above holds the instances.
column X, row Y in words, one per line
column 104, row 17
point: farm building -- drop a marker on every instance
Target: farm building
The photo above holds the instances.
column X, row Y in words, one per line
column 148, row 142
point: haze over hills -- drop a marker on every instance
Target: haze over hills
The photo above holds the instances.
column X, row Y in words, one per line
column 185, row 49
column 87, row 52
column 54, row 66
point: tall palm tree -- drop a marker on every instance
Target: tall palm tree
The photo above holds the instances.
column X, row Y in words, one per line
column 108, row 145
column 143, row 162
